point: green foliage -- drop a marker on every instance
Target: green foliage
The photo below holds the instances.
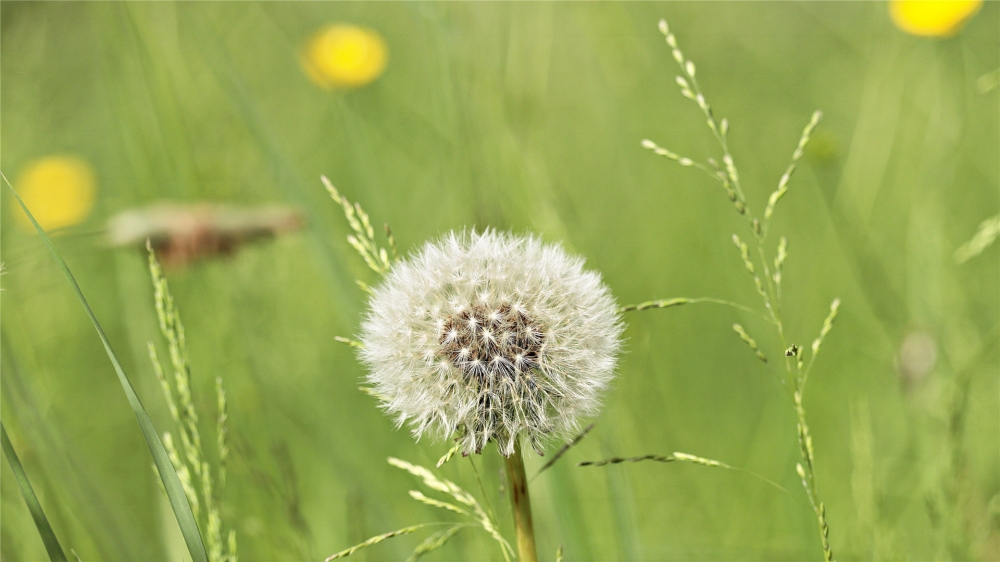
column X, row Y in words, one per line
column 172, row 484
column 521, row 116
column 769, row 290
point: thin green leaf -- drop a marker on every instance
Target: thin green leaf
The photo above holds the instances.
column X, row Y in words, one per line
column 171, row 483
column 52, row 545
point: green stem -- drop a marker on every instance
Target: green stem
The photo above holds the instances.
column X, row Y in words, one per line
column 520, row 504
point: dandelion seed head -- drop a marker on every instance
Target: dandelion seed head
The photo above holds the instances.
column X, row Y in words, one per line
column 489, row 337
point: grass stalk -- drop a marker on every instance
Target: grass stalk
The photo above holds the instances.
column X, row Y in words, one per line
column 520, row 503
column 52, row 546
column 769, row 289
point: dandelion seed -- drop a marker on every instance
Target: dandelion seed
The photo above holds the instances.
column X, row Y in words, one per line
column 525, row 340
column 344, row 56
column 59, row 191
column 933, row 18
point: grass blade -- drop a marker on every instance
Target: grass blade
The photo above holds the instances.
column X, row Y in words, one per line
column 171, row 483
column 52, row 545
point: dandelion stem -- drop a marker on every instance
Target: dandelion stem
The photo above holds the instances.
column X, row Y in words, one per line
column 520, row 503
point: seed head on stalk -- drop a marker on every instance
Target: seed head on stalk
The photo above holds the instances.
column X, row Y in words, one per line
column 491, row 336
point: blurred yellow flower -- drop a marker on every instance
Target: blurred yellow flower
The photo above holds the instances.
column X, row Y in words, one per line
column 344, row 56
column 933, row 18
column 58, row 190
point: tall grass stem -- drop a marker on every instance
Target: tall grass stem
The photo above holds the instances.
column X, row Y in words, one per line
column 520, row 503
column 52, row 546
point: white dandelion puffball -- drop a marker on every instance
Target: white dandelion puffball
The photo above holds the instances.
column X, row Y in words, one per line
column 490, row 336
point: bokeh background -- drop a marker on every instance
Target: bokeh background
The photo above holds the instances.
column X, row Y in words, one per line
column 523, row 116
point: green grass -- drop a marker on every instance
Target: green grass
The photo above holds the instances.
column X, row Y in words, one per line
column 525, row 116
column 164, row 465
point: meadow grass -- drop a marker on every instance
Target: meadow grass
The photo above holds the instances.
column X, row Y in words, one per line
column 203, row 484
column 520, row 116
column 173, row 485
column 796, row 371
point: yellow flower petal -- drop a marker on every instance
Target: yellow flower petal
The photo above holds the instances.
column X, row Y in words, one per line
column 933, row 18
column 58, row 190
column 344, row 56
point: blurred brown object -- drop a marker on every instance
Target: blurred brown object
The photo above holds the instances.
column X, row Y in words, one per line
column 181, row 234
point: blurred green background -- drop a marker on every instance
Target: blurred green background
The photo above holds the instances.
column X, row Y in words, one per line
column 522, row 116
